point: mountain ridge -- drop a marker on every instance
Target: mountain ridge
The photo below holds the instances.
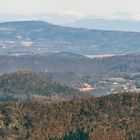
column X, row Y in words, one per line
column 107, row 24
column 32, row 37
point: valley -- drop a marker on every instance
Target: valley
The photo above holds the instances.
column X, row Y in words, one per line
column 105, row 75
column 62, row 83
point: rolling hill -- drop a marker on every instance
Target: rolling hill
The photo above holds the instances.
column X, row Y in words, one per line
column 76, row 70
column 27, row 85
column 67, row 63
column 36, row 37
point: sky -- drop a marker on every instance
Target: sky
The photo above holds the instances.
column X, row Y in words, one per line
column 80, row 8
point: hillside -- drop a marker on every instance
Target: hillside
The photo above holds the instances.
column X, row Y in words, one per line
column 36, row 37
column 111, row 117
column 75, row 70
column 24, row 85
column 63, row 62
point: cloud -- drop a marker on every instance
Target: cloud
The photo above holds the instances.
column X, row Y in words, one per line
column 71, row 14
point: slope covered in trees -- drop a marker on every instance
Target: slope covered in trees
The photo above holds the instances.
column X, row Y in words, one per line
column 26, row 84
column 65, row 63
column 111, row 117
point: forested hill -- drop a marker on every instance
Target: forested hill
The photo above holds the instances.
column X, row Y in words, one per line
column 113, row 117
column 27, row 85
column 35, row 37
column 62, row 62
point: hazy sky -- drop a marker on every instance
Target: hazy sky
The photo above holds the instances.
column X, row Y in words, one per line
column 105, row 8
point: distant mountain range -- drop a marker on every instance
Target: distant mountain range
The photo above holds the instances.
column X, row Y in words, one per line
column 116, row 23
column 107, row 24
column 37, row 37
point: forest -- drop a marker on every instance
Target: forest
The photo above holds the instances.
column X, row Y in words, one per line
column 110, row 117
